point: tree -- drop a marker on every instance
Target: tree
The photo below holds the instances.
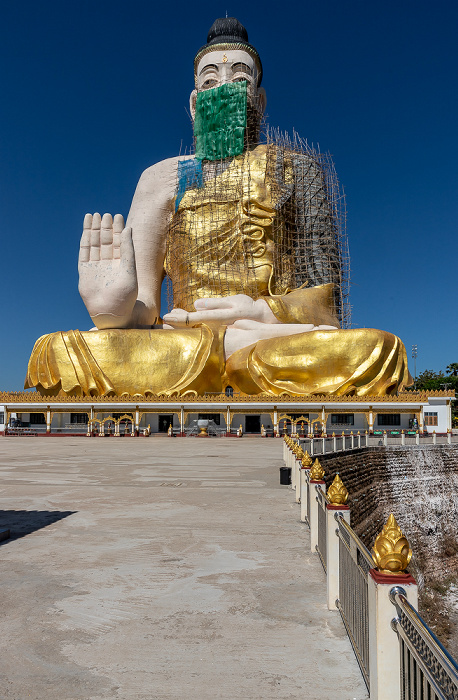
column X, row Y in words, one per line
column 452, row 369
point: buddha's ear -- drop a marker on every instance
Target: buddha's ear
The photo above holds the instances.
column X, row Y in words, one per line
column 262, row 97
column 192, row 103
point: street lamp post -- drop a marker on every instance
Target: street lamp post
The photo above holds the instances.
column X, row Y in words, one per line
column 414, row 358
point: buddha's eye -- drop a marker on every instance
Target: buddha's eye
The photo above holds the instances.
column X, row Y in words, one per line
column 240, row 80
column 209, row 83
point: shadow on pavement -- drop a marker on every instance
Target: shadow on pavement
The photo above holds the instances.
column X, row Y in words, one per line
column 23, row 522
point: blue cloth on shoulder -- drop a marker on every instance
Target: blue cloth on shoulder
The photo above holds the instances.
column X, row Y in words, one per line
column 190, row 177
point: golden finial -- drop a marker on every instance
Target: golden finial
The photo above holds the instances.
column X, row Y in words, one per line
column 337, row 493
column 391, row 552
column 299, row 452
column 307, row 461
column 317, row 471
column 333, row 434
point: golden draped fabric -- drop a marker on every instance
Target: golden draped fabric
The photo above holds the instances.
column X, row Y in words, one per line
column 356, row 362
column 223, row 237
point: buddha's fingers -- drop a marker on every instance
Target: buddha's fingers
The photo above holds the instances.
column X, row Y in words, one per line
column 126, row 248
column 95, row 237
column 106, row 238
column 213, row 303
column 85, row 245
column 118, row 226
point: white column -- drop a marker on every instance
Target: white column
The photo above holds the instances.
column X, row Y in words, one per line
column 137, row 420
column 332, row 552
column 275, row 422
column 384, row 656
column 293, row 471
column 48, row 421
column 298, row 468
column 313, row 517
column 304, row 494
column 385, row 438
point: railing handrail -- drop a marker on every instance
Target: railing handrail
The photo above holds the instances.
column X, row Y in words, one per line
column 399, row 600
column 322, row 494
column 352, row 534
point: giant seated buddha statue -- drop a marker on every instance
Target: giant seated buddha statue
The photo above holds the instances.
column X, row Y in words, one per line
column 247, row 234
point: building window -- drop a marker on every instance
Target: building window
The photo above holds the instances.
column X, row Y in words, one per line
column 431, row 419
column 342, row 418
column 389, row 419
column 78, row 417
column 37, row 419
column 2, row 416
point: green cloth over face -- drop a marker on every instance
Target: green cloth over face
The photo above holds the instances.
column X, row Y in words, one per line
column 220, row 121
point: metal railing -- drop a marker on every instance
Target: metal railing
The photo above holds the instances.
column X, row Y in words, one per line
column 416, row 667
column 322, row 527
column 338, row 443
column 355, row 562
column 428, row 672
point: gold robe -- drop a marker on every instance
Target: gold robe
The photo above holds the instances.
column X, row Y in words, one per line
column 222, row 241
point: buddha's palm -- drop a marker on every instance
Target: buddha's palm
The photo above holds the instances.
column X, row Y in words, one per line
column 107, row 274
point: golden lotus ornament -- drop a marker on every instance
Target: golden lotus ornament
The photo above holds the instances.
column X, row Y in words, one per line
column 391, row 551
column 337, row 493
column 317, row 471
column 307, row 461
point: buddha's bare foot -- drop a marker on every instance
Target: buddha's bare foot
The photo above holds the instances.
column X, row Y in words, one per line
column 246, row 332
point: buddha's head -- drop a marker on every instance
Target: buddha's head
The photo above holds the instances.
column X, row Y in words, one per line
column 228, row 57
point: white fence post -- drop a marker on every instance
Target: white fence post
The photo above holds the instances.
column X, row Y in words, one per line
column 384, row 656
column 305, row 484
column 313, row 515
column 332, row 552
column 297, row 469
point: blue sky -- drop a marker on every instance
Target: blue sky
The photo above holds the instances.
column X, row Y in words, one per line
column 95, row 92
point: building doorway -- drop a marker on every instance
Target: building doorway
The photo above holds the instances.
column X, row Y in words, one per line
column 215, row 417
column 164, row 422
column 252, row 424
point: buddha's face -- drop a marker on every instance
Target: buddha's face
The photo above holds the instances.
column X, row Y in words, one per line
column 219, row 67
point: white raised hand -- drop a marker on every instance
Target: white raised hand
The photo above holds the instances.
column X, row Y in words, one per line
column 224, row 310
column 107, row 274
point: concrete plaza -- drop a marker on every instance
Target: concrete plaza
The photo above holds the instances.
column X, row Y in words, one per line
column 161, row 568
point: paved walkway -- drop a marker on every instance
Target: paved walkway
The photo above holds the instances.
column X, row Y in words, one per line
column 159, row 568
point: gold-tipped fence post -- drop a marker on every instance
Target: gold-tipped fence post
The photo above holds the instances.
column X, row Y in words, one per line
column 316, row 480
column 306, row 464
column 391, row 554
column 337, row 501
